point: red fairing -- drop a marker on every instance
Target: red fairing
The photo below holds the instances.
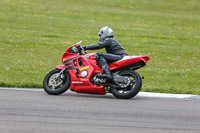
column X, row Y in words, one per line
column 128, row 61
column 78, row 83
column 83, row 86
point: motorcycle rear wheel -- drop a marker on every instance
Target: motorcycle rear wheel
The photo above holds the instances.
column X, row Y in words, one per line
column 55, row 86
column 132, row 89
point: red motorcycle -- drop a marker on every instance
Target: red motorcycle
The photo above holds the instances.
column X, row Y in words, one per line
column 81, row 74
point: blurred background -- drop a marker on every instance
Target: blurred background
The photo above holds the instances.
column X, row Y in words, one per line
column 35, row 33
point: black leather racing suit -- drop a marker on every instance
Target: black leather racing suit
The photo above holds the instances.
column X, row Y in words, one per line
column 114, row 53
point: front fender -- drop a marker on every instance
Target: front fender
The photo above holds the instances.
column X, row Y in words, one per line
column 60, row 67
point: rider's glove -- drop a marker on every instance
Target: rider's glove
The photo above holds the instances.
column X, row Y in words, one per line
column 84, row 47
column 79, row 47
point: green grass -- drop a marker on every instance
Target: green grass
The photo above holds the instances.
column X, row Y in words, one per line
column 35, row 33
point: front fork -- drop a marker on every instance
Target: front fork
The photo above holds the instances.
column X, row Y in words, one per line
column 62, row 68
column 60, row 73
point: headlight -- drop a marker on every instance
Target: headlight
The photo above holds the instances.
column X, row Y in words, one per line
column 84, row 73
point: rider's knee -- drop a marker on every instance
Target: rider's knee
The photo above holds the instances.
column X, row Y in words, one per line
column 98, row 55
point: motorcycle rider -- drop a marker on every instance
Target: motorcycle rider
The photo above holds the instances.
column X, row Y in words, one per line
column 113, row 48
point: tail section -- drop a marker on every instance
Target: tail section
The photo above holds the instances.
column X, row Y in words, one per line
column 130, row 62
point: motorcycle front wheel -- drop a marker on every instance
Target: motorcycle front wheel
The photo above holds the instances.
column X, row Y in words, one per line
column 135, row 84
column 54, row 85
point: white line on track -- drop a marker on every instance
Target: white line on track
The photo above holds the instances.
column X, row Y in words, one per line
column 164, row 95
column 22, row 89
column 140, row 94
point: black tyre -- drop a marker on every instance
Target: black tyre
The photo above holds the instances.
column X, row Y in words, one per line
column 132, row 89
column 56, row 86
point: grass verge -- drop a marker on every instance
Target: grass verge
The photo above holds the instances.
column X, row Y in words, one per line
column 35, row 33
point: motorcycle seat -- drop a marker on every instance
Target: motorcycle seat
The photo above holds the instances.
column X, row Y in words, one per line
column 127, row 57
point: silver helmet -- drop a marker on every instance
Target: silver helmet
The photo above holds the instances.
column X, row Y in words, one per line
column 104, row 33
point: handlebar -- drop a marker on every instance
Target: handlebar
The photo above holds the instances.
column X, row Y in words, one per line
column 81, row 49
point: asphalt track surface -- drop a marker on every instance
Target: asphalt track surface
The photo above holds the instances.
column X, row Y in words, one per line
column 37, row 112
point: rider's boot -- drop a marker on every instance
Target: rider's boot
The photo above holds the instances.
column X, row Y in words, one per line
column 105, row 68
column 107, row 75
